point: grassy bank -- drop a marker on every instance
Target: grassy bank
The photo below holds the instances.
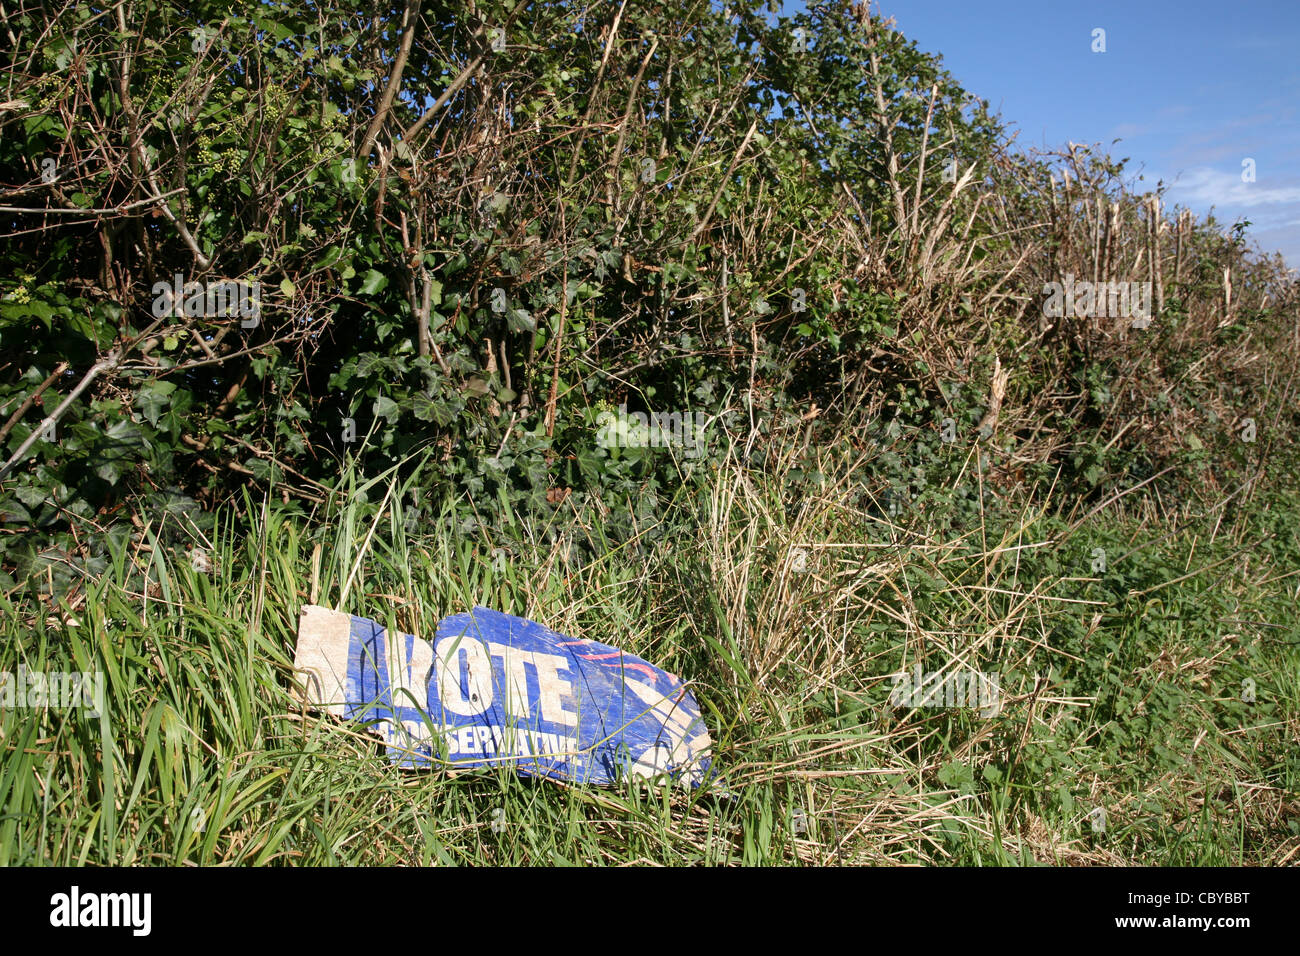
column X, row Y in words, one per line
column 1147, row 708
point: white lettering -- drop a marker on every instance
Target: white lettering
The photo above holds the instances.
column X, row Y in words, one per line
column 476, row 695
column 73, row 909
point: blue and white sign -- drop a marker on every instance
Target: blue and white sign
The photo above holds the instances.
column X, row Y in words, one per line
column 492, row 688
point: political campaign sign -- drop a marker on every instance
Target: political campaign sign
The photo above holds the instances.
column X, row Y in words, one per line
column 493, row 689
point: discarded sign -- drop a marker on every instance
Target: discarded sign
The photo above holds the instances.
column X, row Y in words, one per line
column 493, row 688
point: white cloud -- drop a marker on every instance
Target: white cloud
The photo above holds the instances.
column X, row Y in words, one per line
column 1204, row 186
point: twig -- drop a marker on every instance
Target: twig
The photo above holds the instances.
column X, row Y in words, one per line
column 106, row 364
column 559, row 345
column 591, row 100
column 22, row 409
column 109, row 210
column 441, row 101
column 142, row 156
column 409, row 17
column 708, row 213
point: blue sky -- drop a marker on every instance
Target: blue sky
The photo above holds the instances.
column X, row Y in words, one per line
column 1191, row 88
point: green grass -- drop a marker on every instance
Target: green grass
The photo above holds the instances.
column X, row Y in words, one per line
column 1121, row 689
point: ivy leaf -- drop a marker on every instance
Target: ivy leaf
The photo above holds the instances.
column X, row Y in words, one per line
column 154, row 399
column 30, row 495
column 373, row 282
column 521, row 320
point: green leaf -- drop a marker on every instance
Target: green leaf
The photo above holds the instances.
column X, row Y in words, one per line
column 521, row 320
column 154, row 399
column 30, row 495
column 958, row 776
column 42, row 312
column 126, row 432
column 374, row 282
